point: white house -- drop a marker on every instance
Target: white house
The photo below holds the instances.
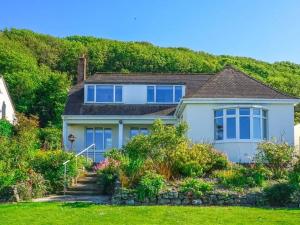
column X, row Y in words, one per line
column 229, row 109
column 7, row 110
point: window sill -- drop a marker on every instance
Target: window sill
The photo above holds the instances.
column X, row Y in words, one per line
column 239, row 141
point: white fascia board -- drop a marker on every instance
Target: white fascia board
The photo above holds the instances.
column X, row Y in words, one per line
column 115, row 119
column 241, row 100
column 257, row 101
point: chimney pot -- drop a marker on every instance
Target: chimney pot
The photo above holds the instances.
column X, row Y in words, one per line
column 81, row 69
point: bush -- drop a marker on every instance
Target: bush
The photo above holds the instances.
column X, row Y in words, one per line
column 51, row 138
column 50, row 165
column 150, row 185
column 33, row 187
column 278, row 157
column 294, row 175
column 279, row 194
column 108, row 173
column 242, row 177
column 6, row 129
column 197, row 159
column 195, row 186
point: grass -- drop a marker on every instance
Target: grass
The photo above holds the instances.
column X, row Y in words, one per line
column 86, row 214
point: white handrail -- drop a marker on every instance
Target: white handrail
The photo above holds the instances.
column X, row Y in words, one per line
column 78, row 154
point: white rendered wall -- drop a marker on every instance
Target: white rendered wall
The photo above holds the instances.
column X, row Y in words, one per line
column 200, row 119
column 4, row 97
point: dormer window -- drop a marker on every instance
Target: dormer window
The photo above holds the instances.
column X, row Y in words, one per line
column 104, row 93
column 164, row 93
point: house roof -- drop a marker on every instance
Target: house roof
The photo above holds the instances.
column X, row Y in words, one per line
column 229, row 83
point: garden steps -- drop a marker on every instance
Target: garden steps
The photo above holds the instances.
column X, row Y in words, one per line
column 86, row 185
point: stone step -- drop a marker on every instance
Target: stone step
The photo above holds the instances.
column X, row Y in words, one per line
column 82, row 192
column 86, row 180
column 84, row 187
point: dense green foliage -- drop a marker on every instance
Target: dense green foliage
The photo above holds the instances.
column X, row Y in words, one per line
column 150, row 185
column 242, row 177
column 32, row 171
column 196, row 187
column 165, row 151
column 279, row 194
column 49, row 164
column 39, row 68
column 93, row 214
column 276, row 156
column 6, row 129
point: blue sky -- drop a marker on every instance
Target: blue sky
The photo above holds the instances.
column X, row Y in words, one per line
column 263, row 29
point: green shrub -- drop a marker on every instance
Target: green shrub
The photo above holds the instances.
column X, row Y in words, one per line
column 50, row 165
column 33, row 187
column 51, row 138
column 150, row 185
column 278, row 157
column 294, row 175
column 242, row 177
column 196, row 159
column 107, row 178
column 279, row 194
column 6, row 129
column 195, row 186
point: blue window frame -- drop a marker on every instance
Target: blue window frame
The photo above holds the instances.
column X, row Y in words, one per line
column 118, row 94
column 90, row 93
column 137, row 131
column 150, row 94
column 164, row 94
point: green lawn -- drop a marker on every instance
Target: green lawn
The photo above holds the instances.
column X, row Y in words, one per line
column 85, row 214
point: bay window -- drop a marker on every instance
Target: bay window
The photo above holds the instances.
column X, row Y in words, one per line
column 103, row 93
column 164, row 93
column 243, row 123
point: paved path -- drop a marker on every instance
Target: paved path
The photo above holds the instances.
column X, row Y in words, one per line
column 98, row 199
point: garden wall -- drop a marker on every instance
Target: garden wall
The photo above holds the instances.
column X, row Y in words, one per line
column 174, row 197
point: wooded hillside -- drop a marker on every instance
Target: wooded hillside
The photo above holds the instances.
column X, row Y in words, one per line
column 40, row 69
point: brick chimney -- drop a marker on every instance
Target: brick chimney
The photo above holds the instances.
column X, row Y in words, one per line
column 81, row 69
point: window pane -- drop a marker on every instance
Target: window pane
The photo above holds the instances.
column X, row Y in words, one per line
column 230, row 111
column 150, row 94
column 231, row 128
column 164, row 93
column 134, row 132
column 244, row 111
column 264, row 128
column 219, row 129
column 178, row 93
column 144, row 131
column 104, row 93
column 99, row 138
column 264, row 113
column 107, row 138
column 218, row 112
column 89, row 137
column 256, row 128
column 256, row 112
column 90, row 93
column 245, row 127
column 118, row 93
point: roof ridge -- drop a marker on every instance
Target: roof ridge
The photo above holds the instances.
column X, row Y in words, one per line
column 151, row 73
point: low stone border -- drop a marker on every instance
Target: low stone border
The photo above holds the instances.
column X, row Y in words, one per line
column 173, row 197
